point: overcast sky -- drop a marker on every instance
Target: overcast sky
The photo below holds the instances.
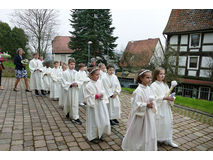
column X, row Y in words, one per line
column 134, row 24
column 133, row 20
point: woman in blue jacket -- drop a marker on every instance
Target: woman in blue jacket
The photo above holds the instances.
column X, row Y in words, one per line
column 20, row 69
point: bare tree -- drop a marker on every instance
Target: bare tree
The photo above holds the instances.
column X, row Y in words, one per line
column 170, row 63
column 209, row 72
column 39, row 25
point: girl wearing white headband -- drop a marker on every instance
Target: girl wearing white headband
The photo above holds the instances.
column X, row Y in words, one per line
column 141, row 129
column 97, row 116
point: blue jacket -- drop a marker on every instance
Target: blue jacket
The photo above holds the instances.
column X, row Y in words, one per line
column 17, row 62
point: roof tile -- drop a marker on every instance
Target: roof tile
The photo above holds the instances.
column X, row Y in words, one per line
column 185, row 20
column 138, row 53
column 60, row 45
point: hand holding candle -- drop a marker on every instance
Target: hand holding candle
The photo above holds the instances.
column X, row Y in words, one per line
column 173, row 85
column 151, row 99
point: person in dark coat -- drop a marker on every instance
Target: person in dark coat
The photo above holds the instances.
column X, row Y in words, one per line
column 20, row 70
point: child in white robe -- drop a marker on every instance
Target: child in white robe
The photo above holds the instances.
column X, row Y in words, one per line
column 46, row 76
column 102, row 68
column 141, row 129
column 112, row 88
column 97, row 121
column 72, row 86
column 62, row 92
column 54, row 84
column 36, row 69
column 84, row 79
column 164, row 118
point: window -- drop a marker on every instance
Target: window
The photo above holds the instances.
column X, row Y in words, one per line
column 63, row 58
column 194, row 41
column 193, row 62
column 204, row 93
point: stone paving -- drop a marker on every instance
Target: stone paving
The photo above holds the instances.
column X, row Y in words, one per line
column 29, row 123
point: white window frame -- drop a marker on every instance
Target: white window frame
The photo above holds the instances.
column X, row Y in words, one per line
column 208, row 92
column 188, row 66
column 191, row 39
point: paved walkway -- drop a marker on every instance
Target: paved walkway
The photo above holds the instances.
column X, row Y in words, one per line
column 37, row 123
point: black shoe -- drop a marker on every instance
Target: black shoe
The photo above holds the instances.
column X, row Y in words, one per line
column 112, row 123
column 27, row 90
column 101, row 139
column 36, row 93
column 116, row 121
column 43, row 93
column 77, row 121
column 68, row 116
column 96, row 141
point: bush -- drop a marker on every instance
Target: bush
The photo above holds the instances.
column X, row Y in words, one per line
column 9, row 70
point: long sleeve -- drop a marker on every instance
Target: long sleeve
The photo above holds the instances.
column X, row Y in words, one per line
column 137, row 104
column 86, row 78
column 118, row 86
column 77, row 80
column 155, row 109
column 89, row 95
column 31, row 66
column 17, row 62
column 107, row 87
column 40, row 66
column 55, row 75
column 158, row 97
column 66, row 84
column 44, row 71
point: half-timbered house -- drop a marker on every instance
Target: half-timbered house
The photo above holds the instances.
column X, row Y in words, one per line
column 189, row 32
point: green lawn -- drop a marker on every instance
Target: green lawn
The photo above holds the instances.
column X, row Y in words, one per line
column 201, row 105
column 10, row 69
column 130, row 90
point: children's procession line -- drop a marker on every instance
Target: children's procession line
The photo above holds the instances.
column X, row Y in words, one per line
column 38, row 123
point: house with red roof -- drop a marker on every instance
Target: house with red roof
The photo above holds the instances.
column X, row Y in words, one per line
column 142, row 52
column 60, row 49
column 189, row 32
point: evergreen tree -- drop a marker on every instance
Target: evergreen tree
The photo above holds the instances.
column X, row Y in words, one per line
column 11, row 40
column 92, row 25
column 19, row 40
column 5, row 37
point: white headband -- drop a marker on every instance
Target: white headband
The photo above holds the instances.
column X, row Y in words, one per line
column 144, row 72
column 95, row 68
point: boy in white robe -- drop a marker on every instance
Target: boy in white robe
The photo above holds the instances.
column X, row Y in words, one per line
column 63, row 93
column 102, row 68
column 36, row 69
column 54, row 84
column 164, row 118
column 84, row 79
column 141, row 129
column 112, row 88
column 47, row 76
column 97, row 121
column 72, row 86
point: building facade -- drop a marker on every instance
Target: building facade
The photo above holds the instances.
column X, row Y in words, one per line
column 189, row 32
column 60, row 49
column 140, row 53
